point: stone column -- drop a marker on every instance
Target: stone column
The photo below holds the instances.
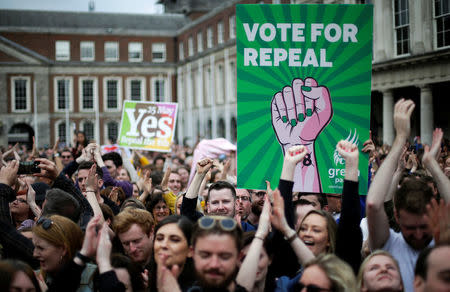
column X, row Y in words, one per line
column 388, row 119
column 212, row 90
column 426, row 114
column 180, row 99
column 189, row 104
column 227, row 76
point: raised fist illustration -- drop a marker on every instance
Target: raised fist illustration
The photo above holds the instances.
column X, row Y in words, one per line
column 299, row 114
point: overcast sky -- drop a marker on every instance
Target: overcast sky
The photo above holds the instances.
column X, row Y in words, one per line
column 117, row 6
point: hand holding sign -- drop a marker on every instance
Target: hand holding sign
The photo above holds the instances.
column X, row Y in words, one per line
column 299, row 113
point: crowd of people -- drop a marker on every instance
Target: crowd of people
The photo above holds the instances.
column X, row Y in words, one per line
column 87, row 218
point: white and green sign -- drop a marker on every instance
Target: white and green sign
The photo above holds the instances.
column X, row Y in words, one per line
column 303, row 78
column 148, row 125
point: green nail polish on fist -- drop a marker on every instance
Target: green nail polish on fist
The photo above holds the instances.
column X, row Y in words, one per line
column 301, row 117
column 284, row 118
column 309, row 112
column 293, row 122
column 306, row 88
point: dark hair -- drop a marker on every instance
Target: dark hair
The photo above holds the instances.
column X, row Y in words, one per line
column 159, row 157
column 187, row 274
column 120, row 193
column 220, row 185
column 133, row 269
column 186, row 226
column 132, row 203
column 107, row 213
column 115, row 157
column 59, row 202
column 85, row 142
column 157, row 177
column 413, row 196
column 421, row 268
column 8, row 270
column 88, row 164
column 199, row 232
column 154, row 201
column 320, row 197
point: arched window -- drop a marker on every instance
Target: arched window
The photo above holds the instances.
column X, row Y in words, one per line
column 221, row 128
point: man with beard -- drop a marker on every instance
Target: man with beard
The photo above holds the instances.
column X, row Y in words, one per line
column 221, row 197
column 410, row 202
column 256, row 208
column 216, row 242
column 243, row 204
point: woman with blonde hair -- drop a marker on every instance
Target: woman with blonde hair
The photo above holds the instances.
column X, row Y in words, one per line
column 327, row 272
column 57, row 241
column 379, row 272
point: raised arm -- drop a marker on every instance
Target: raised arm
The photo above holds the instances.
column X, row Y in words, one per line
column 189, row 203
column 128, row 165
column 376, row 216
column 431, row 164
column 278, row 220
column 349, row 236
column 247, row 273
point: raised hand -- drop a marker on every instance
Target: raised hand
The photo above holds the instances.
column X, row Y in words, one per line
column 204, row 165
column 91, row 237
column 433, row 152
column 8, row 173
column 299, row 114
column 350, row 153
column 48, row 169
column 402, row 116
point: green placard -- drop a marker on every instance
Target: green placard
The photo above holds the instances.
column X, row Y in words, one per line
column 303, row 78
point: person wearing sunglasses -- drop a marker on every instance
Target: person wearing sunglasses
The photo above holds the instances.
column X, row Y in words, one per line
column 66, row 157
column 216, row 243
column 221, row 199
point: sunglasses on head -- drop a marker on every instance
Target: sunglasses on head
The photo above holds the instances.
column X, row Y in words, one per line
column 310, row 288
column 45, row 222
column 225, row 223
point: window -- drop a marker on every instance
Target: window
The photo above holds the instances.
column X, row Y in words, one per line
column 63, row 94
column 112, row 91
column 181, row 51
column 209, row 37
column 135, row 52
column 442, row 16
column 232, row 26
column 62, row 49
column 136, row 88
column 88, row 129
column 190, row 46
column 158, row 52
column 112, row 131
column 21, row 94
column 87, row 51
column 60, row 127
column 401, row 12
column 219, row 84
column 158, row 89
column 220, row 32
column 88, row 93
column 199, row 42
column 111, row 51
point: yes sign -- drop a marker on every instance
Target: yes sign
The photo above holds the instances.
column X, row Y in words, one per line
column 148, row 125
